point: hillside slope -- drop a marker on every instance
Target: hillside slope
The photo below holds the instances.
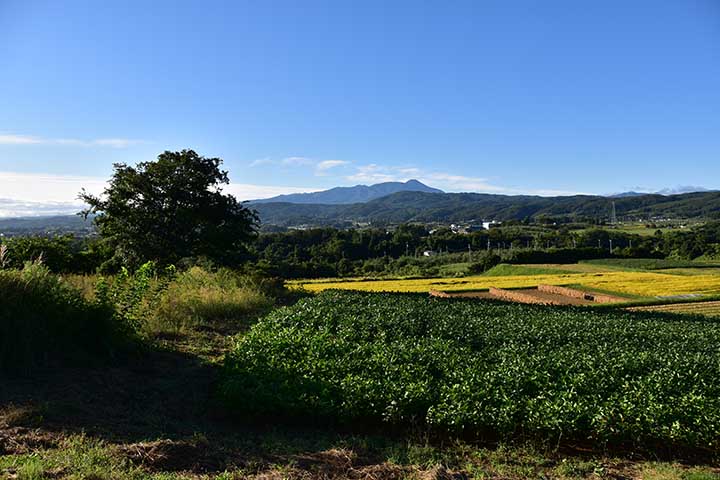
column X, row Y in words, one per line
column 456, row 207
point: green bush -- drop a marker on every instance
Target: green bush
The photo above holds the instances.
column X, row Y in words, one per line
column 199, row 297
column 480, row 367
column 487, row 261
column 44, row 321
column 134, row 296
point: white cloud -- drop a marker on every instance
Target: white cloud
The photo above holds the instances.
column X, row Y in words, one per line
column 374, row 173
column 115, row 142
column 30, row 194
column 17, row 208
column 261, row 161
column 246, row 191
column 9, row 139
column 320, row 167
column 47, row 188
column 463, row 183
column 13, row 139
column 328, row 164
column 297, row 161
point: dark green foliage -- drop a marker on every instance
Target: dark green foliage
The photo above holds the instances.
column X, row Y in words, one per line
column 327, row 252
column 57, row 253
column 133, row 296
column 484, row 263
column 45, row 322
column 172, row 209
column 478, row 367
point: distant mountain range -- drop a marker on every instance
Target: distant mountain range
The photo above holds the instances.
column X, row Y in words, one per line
column 413, row 201
column 41, row 225
column 348, row 195
column 459, row 207
column 664, row 191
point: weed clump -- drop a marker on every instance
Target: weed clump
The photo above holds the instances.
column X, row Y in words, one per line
column 200, row 298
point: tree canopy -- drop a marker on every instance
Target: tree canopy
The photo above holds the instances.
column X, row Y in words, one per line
column 172, row 209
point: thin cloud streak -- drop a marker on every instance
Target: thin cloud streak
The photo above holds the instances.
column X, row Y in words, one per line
column 373, row 173
column 320, row 167
column 13, row 139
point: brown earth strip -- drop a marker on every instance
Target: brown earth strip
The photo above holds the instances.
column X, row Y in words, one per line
column 580, row 294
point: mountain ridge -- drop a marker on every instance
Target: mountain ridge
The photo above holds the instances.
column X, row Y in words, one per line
column 458, row 207
column 350, row 195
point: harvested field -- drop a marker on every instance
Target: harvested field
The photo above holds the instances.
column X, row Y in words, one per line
column 711, row 309
column 526, row 295
column 579, row 294
column 632, row 284
column 549, row 298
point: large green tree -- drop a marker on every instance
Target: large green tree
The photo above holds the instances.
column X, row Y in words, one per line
column 172, row 209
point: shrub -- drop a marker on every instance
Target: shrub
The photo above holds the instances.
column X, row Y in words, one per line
column 480, row 367
column 44, row 321
column 486, row 261
column 199, row 297
column 134, row 296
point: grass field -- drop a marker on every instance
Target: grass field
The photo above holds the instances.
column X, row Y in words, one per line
column 630, row 284
column 649, row 264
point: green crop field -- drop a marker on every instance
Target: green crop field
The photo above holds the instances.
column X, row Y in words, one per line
column 483, row 368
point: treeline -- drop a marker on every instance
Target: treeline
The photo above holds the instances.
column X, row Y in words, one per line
column 327, row 252
column 330, row 252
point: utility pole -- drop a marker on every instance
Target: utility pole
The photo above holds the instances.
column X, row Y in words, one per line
column 488, row 244
column 407, row 249
column 611, row 246
column 469, row 253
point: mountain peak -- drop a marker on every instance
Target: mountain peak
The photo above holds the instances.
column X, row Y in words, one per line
column 356, row 194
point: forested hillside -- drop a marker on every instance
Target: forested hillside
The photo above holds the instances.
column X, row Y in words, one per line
column 456, row 207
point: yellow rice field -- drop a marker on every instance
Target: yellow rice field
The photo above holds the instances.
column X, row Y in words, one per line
column 634, row 284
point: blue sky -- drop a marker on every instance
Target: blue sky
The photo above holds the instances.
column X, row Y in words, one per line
column 503, row 96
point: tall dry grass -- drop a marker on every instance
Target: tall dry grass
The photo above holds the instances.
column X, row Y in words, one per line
column 198, row 297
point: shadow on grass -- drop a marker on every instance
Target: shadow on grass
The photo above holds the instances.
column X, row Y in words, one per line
column 159, row 411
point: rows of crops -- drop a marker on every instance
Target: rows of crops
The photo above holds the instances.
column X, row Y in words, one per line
column 639, row 284
column 711, row 309
column 482, row 367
